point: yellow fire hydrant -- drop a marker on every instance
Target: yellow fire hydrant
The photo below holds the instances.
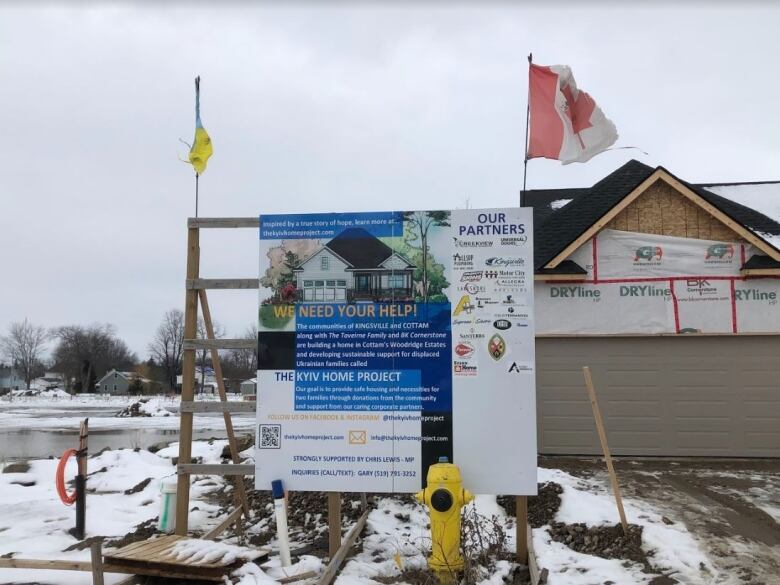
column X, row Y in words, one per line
column 445, row 496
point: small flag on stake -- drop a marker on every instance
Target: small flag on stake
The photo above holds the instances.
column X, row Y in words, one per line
column 201, row 148
column 566, row 124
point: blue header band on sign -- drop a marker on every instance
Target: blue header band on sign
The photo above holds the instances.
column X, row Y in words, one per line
column 313, row 226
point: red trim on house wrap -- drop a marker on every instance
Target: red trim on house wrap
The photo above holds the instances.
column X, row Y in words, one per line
column 676, row 308
column 733, row 307
column 595, row 260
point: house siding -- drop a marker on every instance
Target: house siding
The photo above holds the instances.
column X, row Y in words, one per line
column 311, row 269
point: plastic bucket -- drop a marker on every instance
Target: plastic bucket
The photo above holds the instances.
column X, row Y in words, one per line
column 167, row 520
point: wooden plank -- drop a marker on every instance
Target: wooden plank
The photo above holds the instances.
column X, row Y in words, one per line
column 187, row 382
column 521, row 529
column 192, row 344
column 217, row 406
column 172, row 572
column 222, row 283
column 607, row 456
column 146, row 548
column 334, row 523
column 216, row 469
column 533, row 565
column 335, row 561
column 223, row 222
column 216, row 363
column 51, row 564
column 220, row 528
column 299, row 577
column 97, row 563
column 142, row 543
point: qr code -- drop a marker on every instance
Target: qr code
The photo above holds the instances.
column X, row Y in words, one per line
column 270, row 436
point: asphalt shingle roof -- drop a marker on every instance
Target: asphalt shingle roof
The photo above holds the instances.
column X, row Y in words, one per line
column 360, row 248
column 556, row 229
column 568, row 223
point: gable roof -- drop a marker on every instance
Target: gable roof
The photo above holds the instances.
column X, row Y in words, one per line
column 359, row 248
column 565, row 225
column 562, row 227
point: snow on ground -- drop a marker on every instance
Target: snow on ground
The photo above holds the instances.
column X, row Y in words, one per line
column 671, row 548
column 34, row 523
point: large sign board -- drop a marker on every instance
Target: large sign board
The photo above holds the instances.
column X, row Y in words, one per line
column 389, row 339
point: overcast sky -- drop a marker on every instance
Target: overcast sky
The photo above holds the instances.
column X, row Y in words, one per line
column 340, row 109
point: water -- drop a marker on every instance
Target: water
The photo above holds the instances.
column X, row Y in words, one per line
column 38, row 442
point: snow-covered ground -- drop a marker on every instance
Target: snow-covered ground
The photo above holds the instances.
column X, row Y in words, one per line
column 34, row 524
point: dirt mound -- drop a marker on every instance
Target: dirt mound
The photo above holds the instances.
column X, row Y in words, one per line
column 541, row 508
column 132, row 411
column 607, row 542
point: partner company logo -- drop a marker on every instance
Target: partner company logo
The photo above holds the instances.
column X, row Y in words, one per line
column 502, row 324
column 496, row 347
column 648, row 253
column 464, row 368
column 472, row 288
column 514, row 241
column 719, row 254
column 516, row 368
column 463, row 260
column 472, row 321
column 459, row 243
column 464, row 306
column 471, row 276
column 496, row 261
column 701, row 287
column 464, row 350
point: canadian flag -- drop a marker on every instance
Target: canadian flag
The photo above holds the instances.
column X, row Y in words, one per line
column 566, row 123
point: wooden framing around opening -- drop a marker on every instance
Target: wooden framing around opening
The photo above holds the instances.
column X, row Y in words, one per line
column 685, row 191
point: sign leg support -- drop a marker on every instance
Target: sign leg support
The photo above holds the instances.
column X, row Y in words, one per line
column 605, row 447
column 334, row 523
column 521, row 511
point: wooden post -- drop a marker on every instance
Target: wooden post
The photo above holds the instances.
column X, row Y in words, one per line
column 188, row 382
column 217, row 365
column 521, row 515
column 81, row 481
column 97, row 563
column 605, row 447
column 334, row 523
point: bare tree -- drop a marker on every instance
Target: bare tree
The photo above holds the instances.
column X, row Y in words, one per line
column 242, row 363
column 84, row 354
column 166, row 346
column 202, row 357
column 24, row 345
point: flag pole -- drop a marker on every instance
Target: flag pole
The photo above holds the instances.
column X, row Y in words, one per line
column 527, row 121
column 196, row 194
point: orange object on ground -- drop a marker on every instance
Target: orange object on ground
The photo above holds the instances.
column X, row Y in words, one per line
column 67, row 499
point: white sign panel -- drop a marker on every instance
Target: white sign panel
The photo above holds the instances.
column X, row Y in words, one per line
column 388, row 340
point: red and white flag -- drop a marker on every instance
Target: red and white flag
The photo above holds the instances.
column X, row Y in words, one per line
column 566, row 123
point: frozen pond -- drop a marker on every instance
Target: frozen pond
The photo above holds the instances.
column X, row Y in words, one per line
column 34, row 428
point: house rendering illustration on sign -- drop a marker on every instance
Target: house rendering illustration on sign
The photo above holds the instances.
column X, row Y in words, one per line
column 355, row 266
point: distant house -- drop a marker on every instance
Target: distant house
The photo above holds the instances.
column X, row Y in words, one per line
column 249, row 387
column 49, row 381
column 354, row 266
column 209, row 381
column 116, row 382
column 10, row 379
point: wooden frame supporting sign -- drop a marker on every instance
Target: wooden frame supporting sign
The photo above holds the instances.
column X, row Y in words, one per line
column 605, row 447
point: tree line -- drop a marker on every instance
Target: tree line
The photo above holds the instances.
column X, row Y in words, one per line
column 83, row 354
